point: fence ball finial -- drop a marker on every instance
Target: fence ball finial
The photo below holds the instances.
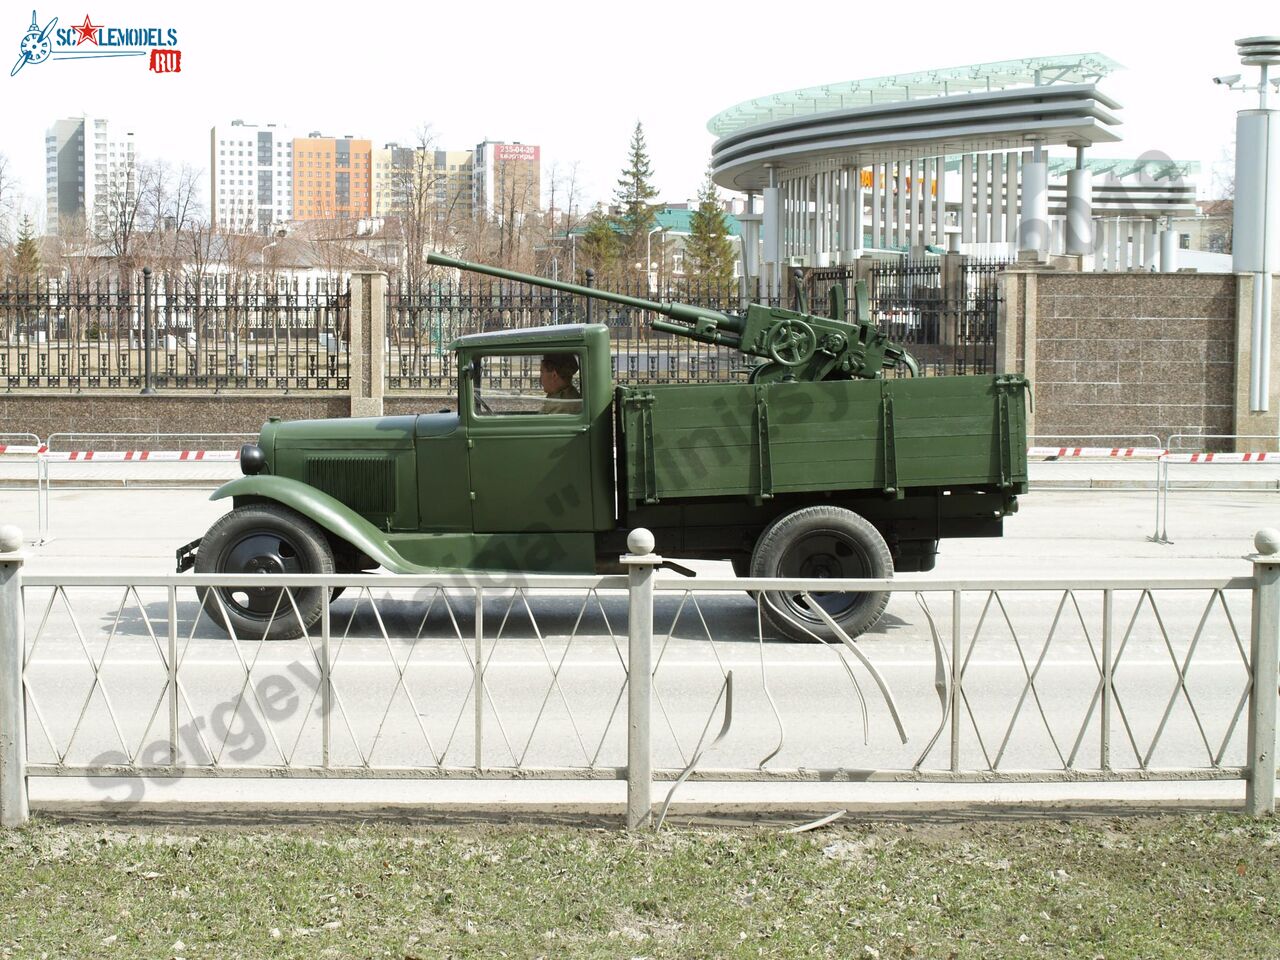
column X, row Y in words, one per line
column 1267, row 541
column 10, row 538
column 640, row 542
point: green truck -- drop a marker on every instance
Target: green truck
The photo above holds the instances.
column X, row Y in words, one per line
column 816, row 465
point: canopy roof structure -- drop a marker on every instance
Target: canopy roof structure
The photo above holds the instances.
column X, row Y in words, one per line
column 1153, row 168
column 977, row 77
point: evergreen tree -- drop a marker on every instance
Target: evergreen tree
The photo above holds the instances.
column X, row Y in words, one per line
column 26, row 255
column 634, row 195
column 708, row 250
column 601, row 248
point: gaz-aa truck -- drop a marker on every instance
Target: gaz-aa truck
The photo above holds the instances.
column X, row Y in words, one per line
column 816, row 465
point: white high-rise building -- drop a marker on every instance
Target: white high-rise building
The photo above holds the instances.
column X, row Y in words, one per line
column 505, row 180
column 251, row 176
column 90, row 172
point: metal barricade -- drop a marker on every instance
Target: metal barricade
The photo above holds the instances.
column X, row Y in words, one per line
column 1153, row 450
column 119, row 448
column 27, row 447
column 1197, row 442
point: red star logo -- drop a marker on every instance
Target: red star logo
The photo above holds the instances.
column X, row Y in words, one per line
column 87, row 31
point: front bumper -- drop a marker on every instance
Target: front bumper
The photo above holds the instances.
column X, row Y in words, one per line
column 187, row 555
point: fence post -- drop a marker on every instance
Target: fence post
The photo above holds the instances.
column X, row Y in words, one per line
column 641, row 563
column 590, row 282
column 1264, row 651
column 147, row 388
column 13, row 733
column 367, row 350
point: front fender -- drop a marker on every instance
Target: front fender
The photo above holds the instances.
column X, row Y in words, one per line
column 333, row 515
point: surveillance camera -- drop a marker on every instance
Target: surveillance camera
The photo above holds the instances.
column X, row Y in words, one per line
column 1228, row 80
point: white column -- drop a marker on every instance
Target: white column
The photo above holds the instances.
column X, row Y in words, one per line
column 980, row 213
column 967, row 233
column 1011, row 198
column 900, row 220
column 926, row 203
column 1151, row 246
column 1169, row 249
column 940, row 204
column 1079, row 237
column 888, row 204
column 997, row 198
column 877, row 226
column 1033, row 228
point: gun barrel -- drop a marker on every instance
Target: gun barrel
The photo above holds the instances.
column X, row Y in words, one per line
column 440, row 260
column 699, row 319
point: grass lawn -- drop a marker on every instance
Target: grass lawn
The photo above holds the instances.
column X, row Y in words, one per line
column 1175, row 886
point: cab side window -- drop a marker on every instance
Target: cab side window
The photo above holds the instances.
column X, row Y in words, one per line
column 526, row 384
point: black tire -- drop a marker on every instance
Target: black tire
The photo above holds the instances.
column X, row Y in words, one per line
column 264, row 538
column 822, row 542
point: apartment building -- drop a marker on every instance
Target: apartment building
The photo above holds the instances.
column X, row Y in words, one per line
column 89, row 168
column 442, row 178
column 251, row 176
column 392, row 176
column 332, row 178
column 506, row 180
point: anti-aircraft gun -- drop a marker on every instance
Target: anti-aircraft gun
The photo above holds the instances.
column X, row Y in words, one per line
column 797, row 345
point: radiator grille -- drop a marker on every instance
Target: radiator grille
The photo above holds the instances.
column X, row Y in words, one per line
column 366, row 484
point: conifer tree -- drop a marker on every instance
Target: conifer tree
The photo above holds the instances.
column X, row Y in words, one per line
column 708, row 250
column 601, row 245
column 634, row 196
column 26, row 254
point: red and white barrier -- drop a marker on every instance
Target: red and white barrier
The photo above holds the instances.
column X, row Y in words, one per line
column 1098, row 453
column 1260, row 457
column 153, row 456
column 22, row 449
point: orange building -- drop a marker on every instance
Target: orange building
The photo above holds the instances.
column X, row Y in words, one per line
column 331, row 178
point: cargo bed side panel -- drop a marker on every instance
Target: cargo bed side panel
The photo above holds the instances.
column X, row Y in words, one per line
column 746, row 440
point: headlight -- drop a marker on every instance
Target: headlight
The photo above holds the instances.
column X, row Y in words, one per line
column 252, row 459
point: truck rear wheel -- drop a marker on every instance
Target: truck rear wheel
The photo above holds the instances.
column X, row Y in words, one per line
column 263, row 538
column 822, row 542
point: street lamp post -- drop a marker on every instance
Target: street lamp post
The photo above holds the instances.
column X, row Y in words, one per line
column 1255, row 241
column 648, row 256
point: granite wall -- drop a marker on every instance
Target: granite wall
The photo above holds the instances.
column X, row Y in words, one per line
column 1126, row 354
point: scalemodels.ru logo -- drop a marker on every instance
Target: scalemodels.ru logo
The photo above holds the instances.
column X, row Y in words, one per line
column 91, row 40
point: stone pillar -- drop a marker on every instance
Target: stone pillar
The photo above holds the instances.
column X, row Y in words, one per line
column 1016, row 328
column 952, row 296
column 368, row 344
column 1247, row 422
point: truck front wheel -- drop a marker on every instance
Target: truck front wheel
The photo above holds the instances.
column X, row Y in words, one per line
column 822, row 542
column 263, row 538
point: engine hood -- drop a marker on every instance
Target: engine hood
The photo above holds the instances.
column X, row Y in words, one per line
column 348, row 434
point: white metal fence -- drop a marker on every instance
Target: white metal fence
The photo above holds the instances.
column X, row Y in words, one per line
column 639, row 678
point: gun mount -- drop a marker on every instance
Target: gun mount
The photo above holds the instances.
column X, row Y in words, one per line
column 797, row 345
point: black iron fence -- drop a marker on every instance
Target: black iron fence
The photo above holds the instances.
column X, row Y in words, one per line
column 423, row 321
column 274, row 334
column 945, row 312
column 216, row 333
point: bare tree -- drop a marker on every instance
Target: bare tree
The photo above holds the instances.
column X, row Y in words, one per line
column 8, row 200
column 171, row 206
